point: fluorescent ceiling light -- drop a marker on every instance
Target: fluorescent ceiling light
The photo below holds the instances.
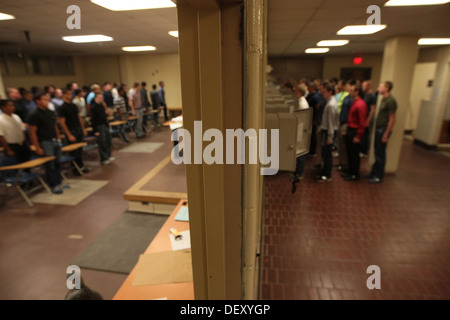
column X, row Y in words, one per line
column 332, row 43
column 88, row 38
column 139, row 48
column 123, row 5
column 397, row 3
column 4, row 16
column 361, row 29
column 174, row 33
column 317, row 50
column 435, row 41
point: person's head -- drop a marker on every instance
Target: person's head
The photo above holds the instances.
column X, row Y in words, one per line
column 348, row 85
column 42, row 99
column 385, row 87
column 78, row 93
column 312, row 87
column 95, row 88
column 67, row 95
column 58, row 93
column 161, row 84
column 121, row 91
column 367, row 86
column 327, row 90
column 107, row 86
column 72, row 86
column 50, row 89
column 35, row 90
column 300, row 90
column 98, row 98
column 13, row 94
column 28, row 96
column 143, row 84
column 7, row 106
column 137, row 86
column 323, row 86
column 340, row 86
column 154, row 87
column 355, row 91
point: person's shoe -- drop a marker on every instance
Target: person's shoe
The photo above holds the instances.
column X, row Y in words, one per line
column 77, row 173
column 106, row 162
column 351, row 178
column 85, row 170
column 112, row 159
column 322, row 179
column 374, row 180
column 57, row 190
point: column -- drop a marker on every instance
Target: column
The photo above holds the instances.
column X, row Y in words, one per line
column 399, row 60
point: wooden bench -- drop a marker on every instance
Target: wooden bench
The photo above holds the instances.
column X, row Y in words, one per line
column 161, row 243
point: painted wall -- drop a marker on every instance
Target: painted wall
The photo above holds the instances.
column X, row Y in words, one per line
column 433, row 114
column 420, row 90
column 296, row 68
column 128, row 69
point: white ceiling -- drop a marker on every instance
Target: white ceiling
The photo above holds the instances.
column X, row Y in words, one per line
column 293, row 26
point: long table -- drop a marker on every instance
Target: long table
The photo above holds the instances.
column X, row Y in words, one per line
column 161, row 243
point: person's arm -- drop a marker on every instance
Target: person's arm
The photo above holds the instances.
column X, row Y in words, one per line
column 371, row 114
column 82, row 125
column 389, row 128
column 119, row 112
column 362, row 113
column 5, row 145
column 62, row 123
column 329, row 125
column 130, row 102
column 33, row 137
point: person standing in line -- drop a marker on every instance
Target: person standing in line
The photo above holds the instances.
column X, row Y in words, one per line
column 19, row 106
column 80, row 102
column 384, row 125
column 136, row 107
column 342, row 141
column 145, row 102
column 121, row 110
column 155, row 103
column 100, row 124
column 73, row 126
column 57, row 99
column 356, row 126
column 162, row 99
column 12, row 133
column 371, row 101
column 329, row 125
column 313, row 99
column 108, row 98
column 44, row 134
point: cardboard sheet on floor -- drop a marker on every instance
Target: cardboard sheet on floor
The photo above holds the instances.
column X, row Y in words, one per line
column 163, row 268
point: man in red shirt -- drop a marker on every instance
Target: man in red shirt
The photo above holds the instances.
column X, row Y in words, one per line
column 356, row 127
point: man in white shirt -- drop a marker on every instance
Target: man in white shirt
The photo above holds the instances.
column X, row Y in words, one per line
column 12, row 136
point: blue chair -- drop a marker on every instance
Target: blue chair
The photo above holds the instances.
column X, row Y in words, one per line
column 18, row 178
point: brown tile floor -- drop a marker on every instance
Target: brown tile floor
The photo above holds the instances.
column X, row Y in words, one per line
column 35, row 248
column 319, row 242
